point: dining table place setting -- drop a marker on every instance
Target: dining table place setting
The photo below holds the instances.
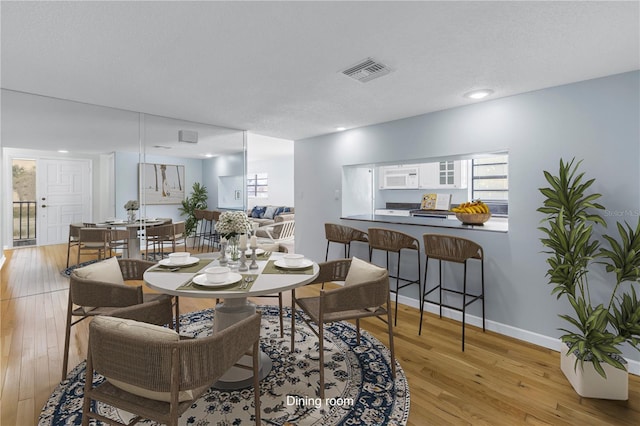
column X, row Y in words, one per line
column 220, row 278
column 181, row 262
column 261, row 254
column 289, row 264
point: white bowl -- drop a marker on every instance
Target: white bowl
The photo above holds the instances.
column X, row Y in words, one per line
column 293, row 259
column 217, row 274
column 179, row 258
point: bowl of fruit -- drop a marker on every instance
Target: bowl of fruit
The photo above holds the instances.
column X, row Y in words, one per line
column 472, row 212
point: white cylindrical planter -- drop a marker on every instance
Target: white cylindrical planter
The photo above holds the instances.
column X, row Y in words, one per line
column 589, row 384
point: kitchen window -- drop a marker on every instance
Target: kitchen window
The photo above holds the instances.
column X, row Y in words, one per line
column 490, row 179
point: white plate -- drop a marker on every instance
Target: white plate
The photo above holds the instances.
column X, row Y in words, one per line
column 259, row 251
column 305, row 264
column 202, row 280
column 190, row 261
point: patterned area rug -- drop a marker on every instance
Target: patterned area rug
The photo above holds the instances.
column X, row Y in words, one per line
column 359, row 386
column 67, row 272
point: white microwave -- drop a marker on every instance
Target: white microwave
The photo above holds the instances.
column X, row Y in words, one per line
column 399, row 177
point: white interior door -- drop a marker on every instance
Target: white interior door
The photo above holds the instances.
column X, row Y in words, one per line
column 64, row 197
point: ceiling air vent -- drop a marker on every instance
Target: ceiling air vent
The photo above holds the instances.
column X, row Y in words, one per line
column 188, row 136
column 366, row 70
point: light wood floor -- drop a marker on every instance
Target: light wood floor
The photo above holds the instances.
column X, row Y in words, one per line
column 496, row 381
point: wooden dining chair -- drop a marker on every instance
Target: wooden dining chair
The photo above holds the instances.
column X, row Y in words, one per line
column 118, row 239
column 159, row 236
column 100, row 288
column 73, row 240
column 93, row 240
column 365, row 294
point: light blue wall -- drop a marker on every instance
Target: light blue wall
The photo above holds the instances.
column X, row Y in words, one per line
column 594, row 120
column 223, row 165
column 126, row 182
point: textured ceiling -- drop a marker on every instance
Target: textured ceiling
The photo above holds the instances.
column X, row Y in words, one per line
column 273, row 68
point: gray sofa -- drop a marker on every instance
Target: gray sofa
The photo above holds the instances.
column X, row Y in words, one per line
column 266, row 214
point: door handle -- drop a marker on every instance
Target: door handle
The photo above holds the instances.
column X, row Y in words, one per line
column 43, row 206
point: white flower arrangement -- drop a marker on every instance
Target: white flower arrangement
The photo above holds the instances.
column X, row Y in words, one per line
column 231, row 224
column 131, row 205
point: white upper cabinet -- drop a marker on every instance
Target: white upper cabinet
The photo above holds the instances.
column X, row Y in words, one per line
column 443, row 174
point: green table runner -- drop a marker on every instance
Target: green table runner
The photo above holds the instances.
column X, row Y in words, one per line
column 271, row 268
column 190, row 285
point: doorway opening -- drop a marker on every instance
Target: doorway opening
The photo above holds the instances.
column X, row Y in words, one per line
column 24, row 202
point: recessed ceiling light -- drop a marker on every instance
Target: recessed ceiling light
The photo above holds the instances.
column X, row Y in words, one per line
column 63, row 151
column 208, row 155
column 341, row 129
column 478, row 94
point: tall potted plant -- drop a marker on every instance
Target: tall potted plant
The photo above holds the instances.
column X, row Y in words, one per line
column 196, row 200
column 598, row 329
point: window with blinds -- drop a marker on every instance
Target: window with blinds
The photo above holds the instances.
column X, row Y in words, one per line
column 490, row 178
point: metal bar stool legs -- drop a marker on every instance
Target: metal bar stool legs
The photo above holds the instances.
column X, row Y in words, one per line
column 394, row 241
column 456, row 250
column 347, row 249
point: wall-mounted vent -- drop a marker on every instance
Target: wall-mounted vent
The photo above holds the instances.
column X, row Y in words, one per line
column 188, row 136
column 367, row 70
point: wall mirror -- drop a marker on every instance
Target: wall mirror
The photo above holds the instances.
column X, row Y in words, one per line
column 59, row 133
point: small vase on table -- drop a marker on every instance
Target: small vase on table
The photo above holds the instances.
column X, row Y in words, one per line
column 131, row 216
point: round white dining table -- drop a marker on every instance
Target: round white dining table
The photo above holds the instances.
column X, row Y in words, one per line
column 235, row 305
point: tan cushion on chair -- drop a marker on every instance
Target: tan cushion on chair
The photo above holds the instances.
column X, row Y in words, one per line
column 141, row 329
column 106, row 271
column 361, row 271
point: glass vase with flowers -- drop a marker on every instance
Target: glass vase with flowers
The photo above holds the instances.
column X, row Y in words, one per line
column 131, row 207
column 230, row 226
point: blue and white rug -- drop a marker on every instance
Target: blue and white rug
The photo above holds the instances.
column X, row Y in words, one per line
column 359, row 386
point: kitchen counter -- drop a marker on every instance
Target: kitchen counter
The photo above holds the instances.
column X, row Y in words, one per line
column 495, row 224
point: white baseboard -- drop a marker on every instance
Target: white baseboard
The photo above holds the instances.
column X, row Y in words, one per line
column 506, row 330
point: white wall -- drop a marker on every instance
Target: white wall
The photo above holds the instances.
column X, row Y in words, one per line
column 275, row 157
column 594, row 120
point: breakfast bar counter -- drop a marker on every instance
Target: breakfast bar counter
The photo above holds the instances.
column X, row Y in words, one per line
column 495, row 224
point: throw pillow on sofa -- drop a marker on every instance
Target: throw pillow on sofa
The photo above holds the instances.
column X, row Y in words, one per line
column 269, row 212
column 258, row 212
column 281, row 210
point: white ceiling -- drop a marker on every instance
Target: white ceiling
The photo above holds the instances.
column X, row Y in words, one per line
column 273, row 68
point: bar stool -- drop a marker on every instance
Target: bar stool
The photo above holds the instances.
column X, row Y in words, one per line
column 200, row 223
column 457, row 250
column 212, row 236
column 341, row 234
column 395, row 241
